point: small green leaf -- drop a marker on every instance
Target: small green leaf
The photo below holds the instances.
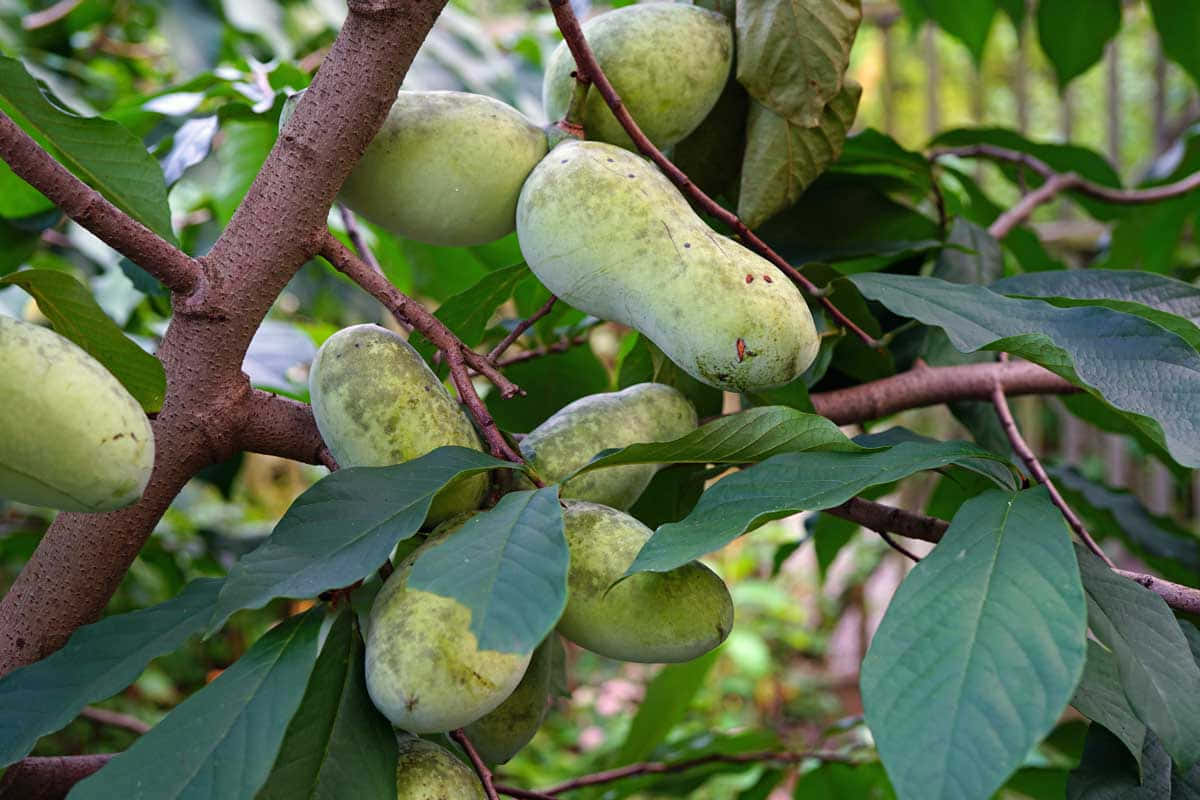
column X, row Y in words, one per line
column 1100, row 698
column 550, row 382
column 844, row 781
column 467, row 313
column 75, row 314
column 979, row 650
column 969, row 21
column 666, row 703
column 975, row 257
column 1075, row 42
column 508, row 566
column 1179, row 27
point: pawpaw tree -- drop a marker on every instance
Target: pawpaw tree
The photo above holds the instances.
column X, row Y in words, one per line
column 555, row 311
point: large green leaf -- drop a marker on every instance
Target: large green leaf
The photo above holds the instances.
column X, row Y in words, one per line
column 792, row 56
column 1178, row 26
column 75, row 314
column 337, row 745
column 1075, row 42
column 508, row 566
column 1101, row 698
column 1134, row 365
column 1158, row 673
column 102, row 153
column 834, row 781
column 969, row 21
column 979, row 650
column 244, row 146
column 667, row 700
column 343, row 527
column 1107, row 772
column 783, row 485
column 98, row 661
column 467, row 313
column 220, row 743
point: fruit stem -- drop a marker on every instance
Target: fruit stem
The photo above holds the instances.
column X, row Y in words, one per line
column 571, row 125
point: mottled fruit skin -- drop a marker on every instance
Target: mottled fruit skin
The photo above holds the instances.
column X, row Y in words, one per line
column 604, row 230
column 424, row 670
column 71, row 436
column 651, row 617
column 446, row 168
column 647, row 412
column 425, row 771
column 668, row 62
column 377, row 403
column 499, row 735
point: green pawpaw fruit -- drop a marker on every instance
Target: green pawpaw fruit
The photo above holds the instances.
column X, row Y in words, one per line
column 426, row 771
column 425, row 671
column 445, row 168
column 667, row 61
column 377, row 403
column 645, row 412
column 651, row 617
column 604, row 230
column 500, row 734
column 71, row 436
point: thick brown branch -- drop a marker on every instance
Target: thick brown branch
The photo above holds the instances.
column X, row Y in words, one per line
column 481, row 769
column 178, row 272
column 585, row 61
column 279, row 426
column 48, row 778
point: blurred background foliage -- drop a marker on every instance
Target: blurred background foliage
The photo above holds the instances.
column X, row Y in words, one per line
column 203, row 81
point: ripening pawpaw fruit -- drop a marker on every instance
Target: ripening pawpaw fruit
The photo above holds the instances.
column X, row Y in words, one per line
column 377, row 403
column 71, row 436
column 445, row 168
column 502, row 732
column 646, row 412
column 425, row 671
column 667, row 61
column 426, row 771
column 604, row 230
column 650, row 617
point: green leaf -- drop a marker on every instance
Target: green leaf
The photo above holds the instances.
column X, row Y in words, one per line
column 671, row 495
column 834, row 781
column 1075, row 42
column 343, row 527
column 220, row 743
column 75, row 314
column 979, row 650
column 1101, row 698
column 244, row 146
column 667, row 700
column 102, row 153
column 1108, row 772
column 44, row 696
column 1192, row 634
column 975, row 257
column 969, row 21
column 467, row 313
column 783, row 485
column 337, row 744
column 792, row 56
column 646, row 363
column 550, row 382
column 1136, row 366
column 1179, row 28
column 1160, row 677
column 782, row 158
column 508, row 566
column 872, row 153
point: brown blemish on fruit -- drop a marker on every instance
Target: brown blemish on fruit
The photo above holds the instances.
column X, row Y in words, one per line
column 767, row 278
column 741, row 349
column 749, row 279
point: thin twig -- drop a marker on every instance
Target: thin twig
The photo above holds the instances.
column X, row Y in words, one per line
column 521, row 327
column 899, row 548
column 481, row 769
column 356, row 237
column 561, row 346
column 114, row 718
column 589, row 67
column 49, row 16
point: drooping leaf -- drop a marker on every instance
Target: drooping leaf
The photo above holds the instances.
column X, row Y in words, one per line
column 467, row 313
column 1075, row 42
column 220, row 743
column 1147, row 372
column 667, row 700
column 783, row 485
column 1158, row 673
column 1108, row 772
column 872, row 153
column 44, row 696
column 508, row 566
column 1179, row 28
column 343, row 527
column 979, row 650
column 671, row 495
column 1101, row 698
column 969, row 21
column 975, row 257
column 75, row 314
column 338, row 744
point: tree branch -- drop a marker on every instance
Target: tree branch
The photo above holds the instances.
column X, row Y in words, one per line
column 585, row 62
column 279, row 426
column 114, row 718
column 48, row 778
column 178, row 272
column 481, row 769
column 521, row 327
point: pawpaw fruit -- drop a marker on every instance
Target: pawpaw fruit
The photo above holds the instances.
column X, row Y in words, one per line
column 377, row 403
column 71, row 436
column 501, row 733
column 604, row 230
column 425, row 671
column 651, row 617
column 426, row 771
column 645, row 412
column 667, row 61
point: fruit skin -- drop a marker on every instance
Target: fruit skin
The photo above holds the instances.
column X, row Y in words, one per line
column 71, row 436
column 377, row 403
column 651, row 617
column 446, row 168
column 426, row 771
column 645, row 412
column 604, row 230
column 500, row 734
column 424, row 670
column 668, row 62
